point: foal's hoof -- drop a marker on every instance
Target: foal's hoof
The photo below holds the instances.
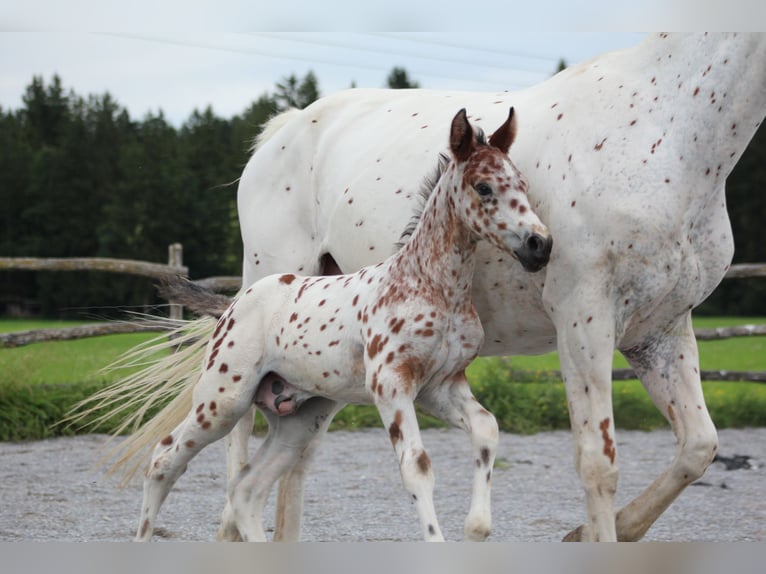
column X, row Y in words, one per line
column 228, row 534
column 574, row 536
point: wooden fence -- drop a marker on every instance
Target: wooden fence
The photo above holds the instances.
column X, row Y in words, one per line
column 175, row 267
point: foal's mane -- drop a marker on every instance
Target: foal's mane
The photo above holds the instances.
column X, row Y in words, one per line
column 426, row 189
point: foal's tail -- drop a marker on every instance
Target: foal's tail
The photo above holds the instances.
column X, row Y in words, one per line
column 168, row 366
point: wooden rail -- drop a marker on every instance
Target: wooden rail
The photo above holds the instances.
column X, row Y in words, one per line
column 127, row 266
column 20, row 338
column 746, row 270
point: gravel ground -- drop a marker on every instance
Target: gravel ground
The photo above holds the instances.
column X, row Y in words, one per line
column 50, row 491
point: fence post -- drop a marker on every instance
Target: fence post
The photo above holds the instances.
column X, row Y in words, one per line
column 176, row 259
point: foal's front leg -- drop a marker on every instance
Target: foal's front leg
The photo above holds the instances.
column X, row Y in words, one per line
column 397, row 411
column 454, row 403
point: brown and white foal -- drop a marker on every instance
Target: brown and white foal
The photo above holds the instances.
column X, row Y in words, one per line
column 393, row 334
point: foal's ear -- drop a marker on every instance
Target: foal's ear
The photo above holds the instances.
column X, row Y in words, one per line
column 505, row 134
column 461, row 138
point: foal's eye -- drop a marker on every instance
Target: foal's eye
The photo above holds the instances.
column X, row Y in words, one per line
column 483, row 189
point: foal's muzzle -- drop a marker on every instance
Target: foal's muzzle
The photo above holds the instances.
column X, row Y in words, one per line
column 535, row 252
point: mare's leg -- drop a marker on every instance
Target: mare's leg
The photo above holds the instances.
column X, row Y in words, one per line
column 213, row 414
column 291, row 442
column 585, row 332
column 454, row 402
column 668, row 366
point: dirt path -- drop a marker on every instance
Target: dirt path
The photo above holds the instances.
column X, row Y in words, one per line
column 49, row 491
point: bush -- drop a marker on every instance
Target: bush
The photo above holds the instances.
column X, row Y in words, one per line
column 525, row 401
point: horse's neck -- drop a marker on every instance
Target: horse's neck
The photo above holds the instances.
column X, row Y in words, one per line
column 441, row 250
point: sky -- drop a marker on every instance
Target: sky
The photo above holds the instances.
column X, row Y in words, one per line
column 178, row 72
column 181, row 55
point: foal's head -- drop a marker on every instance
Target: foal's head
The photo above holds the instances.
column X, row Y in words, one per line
column 490, row 193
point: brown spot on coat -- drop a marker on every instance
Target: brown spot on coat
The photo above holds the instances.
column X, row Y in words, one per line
column 394, row 430
column 376, row 345
column 424, row 463
column 410, row 371
column 396, row 325
column 609, row 449
column 287, row 279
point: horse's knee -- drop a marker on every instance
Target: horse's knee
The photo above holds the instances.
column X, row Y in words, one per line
column 165, row 464
column 417, row 473
column 485, row 429
column 696, row 453
column 597, row 469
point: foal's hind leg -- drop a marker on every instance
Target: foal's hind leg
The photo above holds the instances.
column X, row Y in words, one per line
column 289, row 505
column 669, row 370
column 216, row 406
column 236, row 444
column 454, row 402
column 291, row 442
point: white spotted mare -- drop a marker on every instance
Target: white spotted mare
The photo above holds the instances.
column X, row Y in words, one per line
column 626, row 155
column 399, row 332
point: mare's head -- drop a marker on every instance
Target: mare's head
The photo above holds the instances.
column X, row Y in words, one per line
column 491, row 195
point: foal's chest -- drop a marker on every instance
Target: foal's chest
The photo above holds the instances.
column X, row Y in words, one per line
column 444, row 342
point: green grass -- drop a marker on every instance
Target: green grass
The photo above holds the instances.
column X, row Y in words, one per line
column 39, row 383
column 735, row 354
column 61, row 362
column 526, row 396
